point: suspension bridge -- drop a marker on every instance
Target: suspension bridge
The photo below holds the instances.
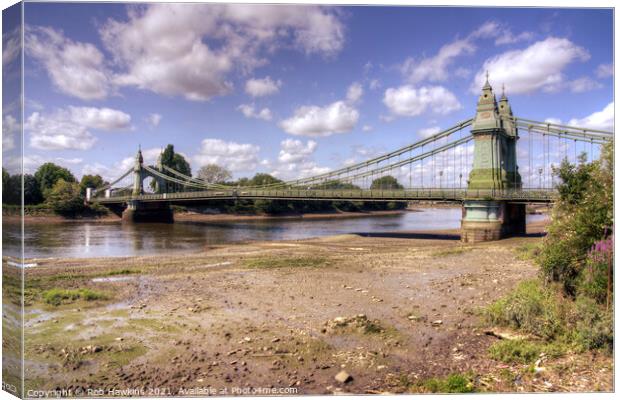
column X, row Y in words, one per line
column 493, row 164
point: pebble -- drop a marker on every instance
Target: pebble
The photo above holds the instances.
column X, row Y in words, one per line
column 343, row 377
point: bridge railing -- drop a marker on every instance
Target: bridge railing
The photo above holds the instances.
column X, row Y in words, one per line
column 345, row 194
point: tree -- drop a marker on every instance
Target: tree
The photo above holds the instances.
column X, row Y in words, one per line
column 11, row 188
column 385, row 183
column 213, row 173
column 32, row 191
column 175, row 161
column 262, row 179
column 64, row 197
column 90, row 181
column 49, row 173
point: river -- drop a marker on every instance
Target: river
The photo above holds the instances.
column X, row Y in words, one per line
column 112, row 239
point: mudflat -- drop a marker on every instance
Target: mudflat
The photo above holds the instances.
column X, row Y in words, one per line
column 392, row 312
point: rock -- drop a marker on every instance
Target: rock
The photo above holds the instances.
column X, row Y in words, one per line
column 343, row 377
column 381, row 367
column 275, row 340
column 437, row 322
column 119, row 339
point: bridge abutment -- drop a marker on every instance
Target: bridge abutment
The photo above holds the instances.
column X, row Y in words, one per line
column 137, row 212
column 491, row 220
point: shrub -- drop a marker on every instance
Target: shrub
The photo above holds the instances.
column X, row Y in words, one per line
column 521, row 351
column 530, row 307
column 593, row 325
column 454, row 383
column 56, row 297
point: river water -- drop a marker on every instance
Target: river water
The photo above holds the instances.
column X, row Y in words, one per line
column 111, row 239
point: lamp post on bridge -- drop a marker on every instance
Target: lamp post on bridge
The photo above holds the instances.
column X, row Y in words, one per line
column 540, row 171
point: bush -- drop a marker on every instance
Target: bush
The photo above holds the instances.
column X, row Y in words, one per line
column 521, row 351
column 454, row 383
column 56, row 297
column 531, row 308
column 593, row 326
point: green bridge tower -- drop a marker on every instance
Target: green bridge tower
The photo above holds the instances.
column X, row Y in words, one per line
column 495, row 168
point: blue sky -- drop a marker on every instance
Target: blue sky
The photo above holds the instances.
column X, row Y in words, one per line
column 293, row 90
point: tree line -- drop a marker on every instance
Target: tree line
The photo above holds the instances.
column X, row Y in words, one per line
column 56, row 188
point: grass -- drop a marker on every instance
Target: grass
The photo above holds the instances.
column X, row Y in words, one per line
column 531, row 308
column 452, row 252
column 455, row 383
column 528, row 251
column 124, row 271
column 521, row 351
column 287, row 262
column 57, row 297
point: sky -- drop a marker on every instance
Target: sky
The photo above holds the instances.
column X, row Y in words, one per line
column 289, row 90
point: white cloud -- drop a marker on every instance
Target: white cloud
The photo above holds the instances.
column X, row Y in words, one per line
column 337, row 117
column 75, row 68
column 295, row 150
column 367, row 128
column 70, row 161
column 69, row 128
column 10, row 129
column 537, row 67
column 154, row 119
column 552, row 120
column 507, row 37
column 238, row 157
column 427, row 132
column 262, row 87
column 583, row 84
column 605, row 70
column 410, row 101
column 603, row 120
column 355, row 93
column 374, row 84
column 11, row 47
column 435, row 68
column 249, row 110
column 295, row 160
column 100, row 118
column 190, row 49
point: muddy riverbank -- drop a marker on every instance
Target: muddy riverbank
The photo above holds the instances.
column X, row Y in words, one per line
column 392, row 311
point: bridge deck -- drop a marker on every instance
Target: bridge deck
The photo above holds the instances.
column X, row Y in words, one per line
column 522, row 195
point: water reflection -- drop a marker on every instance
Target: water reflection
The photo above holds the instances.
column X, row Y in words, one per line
column 116, row 239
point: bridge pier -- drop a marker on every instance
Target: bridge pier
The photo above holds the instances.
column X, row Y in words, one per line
column 491, row 220
column 137, row 211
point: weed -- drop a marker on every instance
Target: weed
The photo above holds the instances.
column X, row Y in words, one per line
column 521, row 351
column 455, row 383
column 287, row 262
column 57, row 297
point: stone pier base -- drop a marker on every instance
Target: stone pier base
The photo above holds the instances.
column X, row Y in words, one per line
column 137, row 212
column 491, row 220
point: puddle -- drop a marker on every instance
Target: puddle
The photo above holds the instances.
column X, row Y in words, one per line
column 114, row 279
column 217, row 264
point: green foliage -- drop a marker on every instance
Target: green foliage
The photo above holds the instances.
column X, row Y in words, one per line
column 287, row 262
column 387, row 182
column 11, row 188
column 582, row 216
column 593, row 325
column 49, row 173
column 90, row 181
column 531, row 308
column 455, row 383
column 57, row 297
column 32, row 191
column 175, row 161
column 521, row 351
column 65, row 198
